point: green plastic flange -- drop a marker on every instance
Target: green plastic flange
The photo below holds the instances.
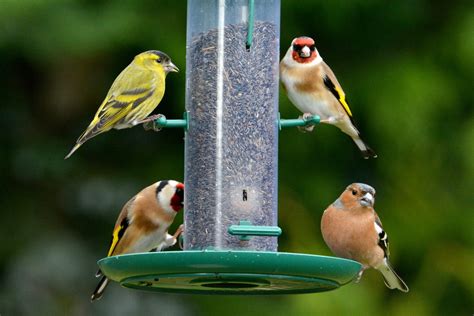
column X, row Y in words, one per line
column 245, row 229
column 229, row 272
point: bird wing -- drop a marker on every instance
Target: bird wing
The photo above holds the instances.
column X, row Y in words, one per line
column 383, row 237
column 119, row 230
column 331, row 83
column 120, row 227
column 131, row 88
column 119, row 106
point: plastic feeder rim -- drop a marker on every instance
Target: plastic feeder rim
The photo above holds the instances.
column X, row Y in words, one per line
column 229, row 272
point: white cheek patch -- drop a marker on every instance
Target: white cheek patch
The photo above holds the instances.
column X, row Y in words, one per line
column 165, row 195
column 165, row 202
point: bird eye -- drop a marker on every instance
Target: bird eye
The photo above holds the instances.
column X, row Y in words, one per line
column 354, row 192
column 312, row 47
column 158, row 60
column 297, row 47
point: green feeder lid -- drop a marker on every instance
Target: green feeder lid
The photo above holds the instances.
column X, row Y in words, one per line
column 229, row 272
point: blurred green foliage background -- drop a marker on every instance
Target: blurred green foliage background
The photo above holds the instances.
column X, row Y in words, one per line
column 407, row 68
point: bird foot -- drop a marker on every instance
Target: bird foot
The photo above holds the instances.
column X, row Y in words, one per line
column 307, row 128
column 170, row 240
column 150, row 124
column 179, row 231
column 177, row 234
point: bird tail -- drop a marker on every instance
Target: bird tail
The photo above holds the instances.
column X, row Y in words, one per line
column 76, row 147
column 350, row 129
column 94, row 129
column 366, row 151
column 391, row 278
column 99, row 290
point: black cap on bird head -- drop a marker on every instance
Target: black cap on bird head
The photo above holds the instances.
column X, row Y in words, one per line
column 163, row 59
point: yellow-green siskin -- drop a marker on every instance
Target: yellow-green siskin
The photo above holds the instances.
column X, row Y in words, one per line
column 135, row 93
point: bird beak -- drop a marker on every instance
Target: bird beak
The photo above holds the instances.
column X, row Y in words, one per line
column 305, row 52
column 171, row 67
column 367, row 199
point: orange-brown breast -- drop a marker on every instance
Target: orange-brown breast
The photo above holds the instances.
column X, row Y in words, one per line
column 352, row 235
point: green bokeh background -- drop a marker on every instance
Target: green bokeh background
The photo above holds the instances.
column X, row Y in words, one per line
column 407, row 68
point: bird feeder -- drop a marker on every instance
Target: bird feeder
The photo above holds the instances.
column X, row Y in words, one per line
column 231, row 167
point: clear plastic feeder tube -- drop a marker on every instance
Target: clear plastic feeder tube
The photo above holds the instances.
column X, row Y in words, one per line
column 232, row 140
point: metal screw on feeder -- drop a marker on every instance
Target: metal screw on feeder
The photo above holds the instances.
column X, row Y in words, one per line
column 231, row 151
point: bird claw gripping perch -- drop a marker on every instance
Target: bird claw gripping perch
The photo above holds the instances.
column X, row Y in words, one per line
column 179, row 236
column 153, row 122
column 309, row 125
column 306, row 120
column 159, row 121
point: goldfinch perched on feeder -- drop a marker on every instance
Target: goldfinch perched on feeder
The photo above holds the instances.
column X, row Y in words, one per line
column 135, row 93
column 143, row 223
column 313, row 88
column 352, row 229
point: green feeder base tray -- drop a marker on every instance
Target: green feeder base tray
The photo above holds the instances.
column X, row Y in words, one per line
column 229, row 272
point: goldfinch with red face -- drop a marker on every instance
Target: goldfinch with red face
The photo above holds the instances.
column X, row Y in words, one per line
column 313, row 88
column 135, row 93
column 143, row 223
column 352, row 229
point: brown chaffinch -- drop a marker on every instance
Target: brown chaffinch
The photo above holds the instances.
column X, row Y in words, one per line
column 313, row 88
column 143, row 223
column 352, row 229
